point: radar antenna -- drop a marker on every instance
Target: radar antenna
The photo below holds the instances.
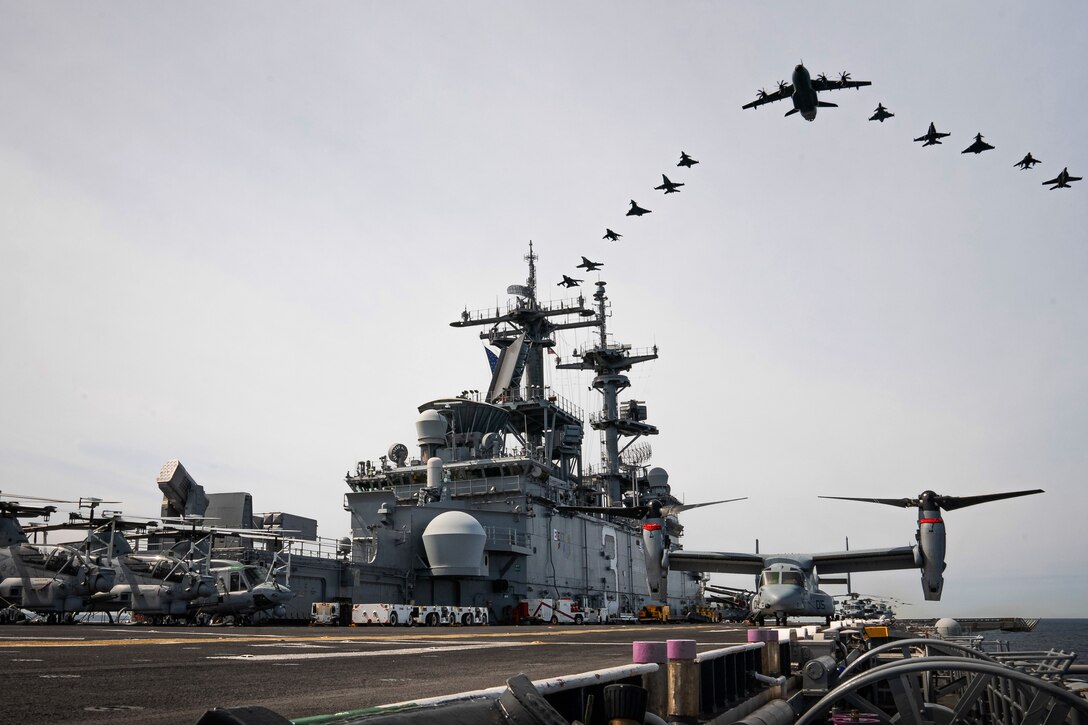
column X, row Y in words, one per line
column 636, row 456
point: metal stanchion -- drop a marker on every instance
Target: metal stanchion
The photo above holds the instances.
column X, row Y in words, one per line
column 656, row 683
column 683, row 703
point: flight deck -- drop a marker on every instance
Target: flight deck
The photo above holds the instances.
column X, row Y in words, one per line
column 131, row 674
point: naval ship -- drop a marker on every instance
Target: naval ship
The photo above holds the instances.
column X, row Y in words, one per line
column 485, row 521
column 479, row 513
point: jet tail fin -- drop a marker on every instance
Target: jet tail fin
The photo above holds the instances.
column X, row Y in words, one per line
column 826, row 104
column 791, row 112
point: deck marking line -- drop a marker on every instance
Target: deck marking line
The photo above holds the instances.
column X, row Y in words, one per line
column 376, row 653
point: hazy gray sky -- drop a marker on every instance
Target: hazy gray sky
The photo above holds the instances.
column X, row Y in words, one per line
column 235, row 234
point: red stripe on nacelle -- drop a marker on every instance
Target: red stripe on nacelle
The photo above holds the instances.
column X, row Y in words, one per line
column 931, row 521
column 651, row 527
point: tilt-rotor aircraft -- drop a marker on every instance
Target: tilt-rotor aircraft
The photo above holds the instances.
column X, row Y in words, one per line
column 803, row 92
column 789, row 583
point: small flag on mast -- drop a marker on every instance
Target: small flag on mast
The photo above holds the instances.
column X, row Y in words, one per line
column 492, row 359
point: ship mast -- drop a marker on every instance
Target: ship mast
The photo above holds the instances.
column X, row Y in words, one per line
column 527, row 326
column 609, row 362
column 523, row 332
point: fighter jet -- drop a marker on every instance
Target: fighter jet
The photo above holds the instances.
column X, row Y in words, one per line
column 881, row 113
column 932, row 136
column 589, row 266
column 611, row 235
column 568, row 282
column 803, row 92
column 686, row 160
column 978, row 146
column 1062, row 180
column 1027, row 162
column 669, row 187
column 637, row 210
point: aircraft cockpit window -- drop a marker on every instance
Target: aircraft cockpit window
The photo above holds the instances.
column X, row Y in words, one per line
column 167, row 571
column 255, row 575
column 793, row 577
column 236, row 582
column 139, row 566
column 769, row 577
column 62, row 561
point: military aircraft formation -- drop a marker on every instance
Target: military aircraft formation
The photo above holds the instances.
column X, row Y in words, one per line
column 803, row 93
column 667, row 185
column 933, row 137
column 175, row 583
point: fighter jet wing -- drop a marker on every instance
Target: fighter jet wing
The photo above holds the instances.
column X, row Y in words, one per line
column 717, row 561
column 839, row 562
column 785, row 91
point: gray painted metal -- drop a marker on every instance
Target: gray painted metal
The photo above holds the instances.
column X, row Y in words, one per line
column 1031, row 698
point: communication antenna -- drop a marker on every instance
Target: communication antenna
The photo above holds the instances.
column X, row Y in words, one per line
column 635, row 456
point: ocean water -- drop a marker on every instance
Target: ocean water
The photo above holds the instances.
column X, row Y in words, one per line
column 1070, row 635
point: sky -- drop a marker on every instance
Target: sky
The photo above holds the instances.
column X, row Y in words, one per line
column 235, row 234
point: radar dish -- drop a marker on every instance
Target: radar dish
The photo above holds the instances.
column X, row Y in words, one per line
column 492, row 443
column 398, row 453
column 520, row 290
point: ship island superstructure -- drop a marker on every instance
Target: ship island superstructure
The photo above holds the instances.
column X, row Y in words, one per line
column 473, row 518
column 479, row 520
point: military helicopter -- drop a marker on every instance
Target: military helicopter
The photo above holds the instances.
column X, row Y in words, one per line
column 245, row 594
column 154, row 585
column 789, row 582
column 57, row 580
column 245, row 591
column 867, row 607
column 735, row 602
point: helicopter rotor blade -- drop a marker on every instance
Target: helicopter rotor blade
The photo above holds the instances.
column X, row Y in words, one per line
column 34, row 498
column 951, row 503
column 677, row 508
column 900, row 502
